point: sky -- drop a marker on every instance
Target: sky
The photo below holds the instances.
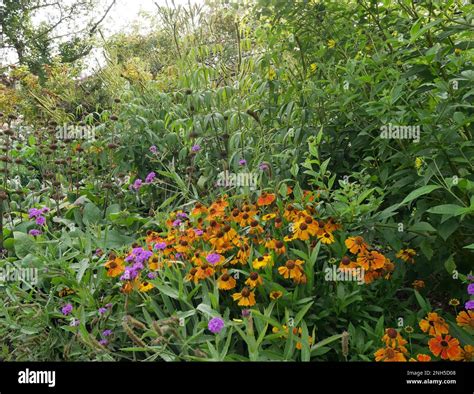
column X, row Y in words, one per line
column 119, row 19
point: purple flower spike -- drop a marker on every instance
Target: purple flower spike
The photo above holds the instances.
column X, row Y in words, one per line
column 150, row 177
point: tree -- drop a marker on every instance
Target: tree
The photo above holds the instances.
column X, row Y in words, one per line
column 66, row 29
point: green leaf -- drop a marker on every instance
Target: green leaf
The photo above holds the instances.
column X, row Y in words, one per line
column 24, row 244
column 419, row 192
column 422, row 302
column 448, row 209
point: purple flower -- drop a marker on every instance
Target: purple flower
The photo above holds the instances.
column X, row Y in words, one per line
column 470, row 289
column 137, row 184
column 469, row 305
column 178, row 255
column 102, row 311
column 150, row 177
column 66, row 309
column 160, row 246
column 263, row 166
column 182, row 215
column 34, row 232
column 176, row 223
column 153, row 149
column 196, row 148
column 104, row 342
column 213, row 258
column 242, row 162
column 109, row 305
column 106, row 333
column 245, row 312
column 198, row 232
column 151, row 275
column 44, row 210
column 33, row 213
column 215, row 325
column 40, row 221
column 470, row 277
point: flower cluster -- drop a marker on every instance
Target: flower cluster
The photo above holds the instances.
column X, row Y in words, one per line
column 374, row 263
column 210, row 242
column 38, row 215
column 441, row 343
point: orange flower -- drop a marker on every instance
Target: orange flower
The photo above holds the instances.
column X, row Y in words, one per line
column 467, row 354
column 191, row 276
column 407, row 255
column 446, row 348
column 265, row 199
column 275, row 295
column 292, row 269
column 465, row 319
column 371, row 260
column 114, row 266
column 389, row 354
column 418, row 284
column 393, row 339
column 246, row 297
column 276, row 245
column 326, row 238
column 347, row 263
column 356, row 244
column 434, row 324
column 226, row 281
column 204, row 271
column 423, row 357
column 254, row 280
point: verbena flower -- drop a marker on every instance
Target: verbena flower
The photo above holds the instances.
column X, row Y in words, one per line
column 242, row 162
column 470, row 289
column 215, row 325
column 35, row 232
column 102, row 311
column 150, row 177
column 469, row 305
column 106, row 333
column 66, row 309
column 196, row 148
column 153, row 149
column 213, row 258
column 160, row 246
column 137, row 184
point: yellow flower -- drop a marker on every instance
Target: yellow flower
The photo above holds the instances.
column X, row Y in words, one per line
column 145, row 287
column 275, row 295
column 254, row 280
column 226, row 281
column 262, row 261
column 313, row 67
column 331, row 43
column 271, row 75
column 245, row 297
column 418, row 162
